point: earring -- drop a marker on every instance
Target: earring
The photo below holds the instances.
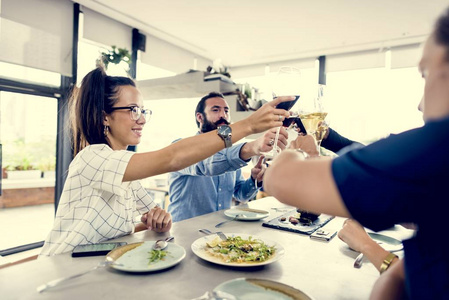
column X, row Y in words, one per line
column 106, row 130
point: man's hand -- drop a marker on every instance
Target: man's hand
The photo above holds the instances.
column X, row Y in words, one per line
column 258, row 171
column 264, row 143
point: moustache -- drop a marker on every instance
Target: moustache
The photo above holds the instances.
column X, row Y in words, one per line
column 221, row 121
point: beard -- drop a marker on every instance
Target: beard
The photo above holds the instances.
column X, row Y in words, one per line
column 209, row 126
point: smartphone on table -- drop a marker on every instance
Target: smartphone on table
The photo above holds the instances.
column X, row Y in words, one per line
column 323, row 235
column 95, row 249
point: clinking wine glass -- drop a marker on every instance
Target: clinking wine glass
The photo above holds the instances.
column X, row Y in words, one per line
column 285, row 83
column 313, row 116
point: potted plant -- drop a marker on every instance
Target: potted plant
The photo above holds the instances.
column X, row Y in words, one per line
column 48, row 166
column 22, row 168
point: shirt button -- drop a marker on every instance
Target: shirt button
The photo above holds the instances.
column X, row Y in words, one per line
column 219, row 189
column 219, row 205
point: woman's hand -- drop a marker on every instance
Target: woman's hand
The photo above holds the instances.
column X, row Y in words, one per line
column 157, row 220
column 268, row 116
column 353, row 234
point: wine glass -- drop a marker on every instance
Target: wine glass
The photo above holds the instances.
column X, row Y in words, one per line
column 312, row 114
column 320, row 133
column 286, row 82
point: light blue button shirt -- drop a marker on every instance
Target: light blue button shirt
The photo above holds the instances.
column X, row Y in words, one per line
column 209, row 185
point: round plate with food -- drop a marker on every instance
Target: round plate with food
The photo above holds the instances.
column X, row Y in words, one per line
column 239, row 250
column 141, row 257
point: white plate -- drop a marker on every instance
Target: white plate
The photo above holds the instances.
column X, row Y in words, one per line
column 134, row 257
column 199, row 248
column 386, row 242
column 260, row 289
column 247, row 215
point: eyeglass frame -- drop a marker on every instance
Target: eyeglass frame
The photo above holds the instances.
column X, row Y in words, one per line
column 147, row 113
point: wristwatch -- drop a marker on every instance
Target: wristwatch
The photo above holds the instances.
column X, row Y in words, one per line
column 225, row 132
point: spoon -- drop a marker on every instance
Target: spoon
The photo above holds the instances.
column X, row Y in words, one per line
column 358, row 261
column 162, row 244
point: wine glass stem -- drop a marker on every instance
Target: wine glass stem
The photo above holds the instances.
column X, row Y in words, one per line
column 318, row 147
column 275, row 145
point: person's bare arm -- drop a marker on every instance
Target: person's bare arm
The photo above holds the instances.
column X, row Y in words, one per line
column 305, row 184
column 391, row 284
column 353, row 234
column 194, row 149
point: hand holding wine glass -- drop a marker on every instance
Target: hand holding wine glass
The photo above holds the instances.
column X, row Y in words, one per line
column 312, row 115
column 285, row 83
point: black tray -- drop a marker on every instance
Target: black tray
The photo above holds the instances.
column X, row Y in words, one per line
column 302, row 228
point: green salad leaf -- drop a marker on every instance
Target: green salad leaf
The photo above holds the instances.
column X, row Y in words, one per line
column 236, row 249
column 156, row 255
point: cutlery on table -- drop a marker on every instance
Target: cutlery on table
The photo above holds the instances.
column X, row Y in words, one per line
column 220, row 234
column 227, row 221
column 258, row 211
column 216, row 295
column 162, row 244
column 358, row 261
column 55, row 282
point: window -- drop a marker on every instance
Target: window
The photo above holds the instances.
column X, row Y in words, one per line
column 31, row 75
column 28, row 132
column 366, row 105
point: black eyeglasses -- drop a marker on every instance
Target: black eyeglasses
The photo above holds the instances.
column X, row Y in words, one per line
column 136, row 112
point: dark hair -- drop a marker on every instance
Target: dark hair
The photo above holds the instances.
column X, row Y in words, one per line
column 441, row 31
column 202, row 104
column 96, row 96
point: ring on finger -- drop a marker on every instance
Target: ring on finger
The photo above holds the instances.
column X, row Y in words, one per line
column 271, row 142
column 280, row 117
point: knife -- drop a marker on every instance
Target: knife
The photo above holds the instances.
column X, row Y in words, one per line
column 259, row 211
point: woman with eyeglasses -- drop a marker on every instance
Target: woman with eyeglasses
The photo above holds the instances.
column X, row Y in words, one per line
column 102, row 195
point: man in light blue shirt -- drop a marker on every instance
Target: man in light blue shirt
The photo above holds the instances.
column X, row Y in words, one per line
column 211, row 184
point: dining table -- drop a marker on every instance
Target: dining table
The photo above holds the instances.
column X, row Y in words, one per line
column 320, row 269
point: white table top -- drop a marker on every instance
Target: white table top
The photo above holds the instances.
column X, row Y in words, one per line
column 324, row 270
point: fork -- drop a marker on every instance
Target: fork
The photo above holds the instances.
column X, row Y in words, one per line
column 220, row 234
column 234, row 218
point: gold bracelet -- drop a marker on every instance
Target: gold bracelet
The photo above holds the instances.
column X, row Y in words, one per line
column 387, row 262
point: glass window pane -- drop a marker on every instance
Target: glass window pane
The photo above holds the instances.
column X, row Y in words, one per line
column 28, row 135
column 366, row 105
column 31, row 75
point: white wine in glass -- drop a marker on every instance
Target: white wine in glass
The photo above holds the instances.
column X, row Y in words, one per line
column 313, row 116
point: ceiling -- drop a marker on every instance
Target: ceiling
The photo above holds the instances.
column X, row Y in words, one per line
column 248, row 32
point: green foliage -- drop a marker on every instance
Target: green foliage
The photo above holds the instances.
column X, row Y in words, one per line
column 47, row 163
column 19, row 155
column 116, row 56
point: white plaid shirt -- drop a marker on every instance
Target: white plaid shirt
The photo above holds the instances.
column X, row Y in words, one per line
column 95, row 204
